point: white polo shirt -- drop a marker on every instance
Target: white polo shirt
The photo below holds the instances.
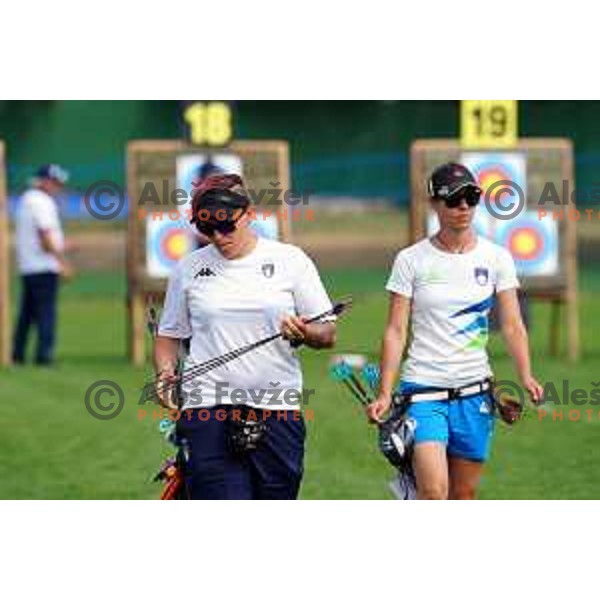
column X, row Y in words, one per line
column 452, row 295
column 225, row 304
column 36, row 211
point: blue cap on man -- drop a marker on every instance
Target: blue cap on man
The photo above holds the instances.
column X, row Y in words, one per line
column 54, row 172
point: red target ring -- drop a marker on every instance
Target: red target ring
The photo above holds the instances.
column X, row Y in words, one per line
column 489, row 175
column 526, row 243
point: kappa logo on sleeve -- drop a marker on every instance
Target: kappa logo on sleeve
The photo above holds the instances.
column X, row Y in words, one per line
column 205, row 272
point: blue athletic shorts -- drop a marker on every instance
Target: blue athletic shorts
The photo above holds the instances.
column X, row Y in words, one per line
column 464, row 426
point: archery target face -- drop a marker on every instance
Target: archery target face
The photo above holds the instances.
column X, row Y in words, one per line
column 533, row 243
column 191, row 166
column 267, row 227
column 167, row 242
column 491, row 167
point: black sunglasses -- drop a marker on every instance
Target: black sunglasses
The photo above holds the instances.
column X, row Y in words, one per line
column 470, row 195
column 224, row 227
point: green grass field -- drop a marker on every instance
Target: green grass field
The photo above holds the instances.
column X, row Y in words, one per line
column 52, row 448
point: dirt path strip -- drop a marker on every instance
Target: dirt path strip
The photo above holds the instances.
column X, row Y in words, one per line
column 107, row 250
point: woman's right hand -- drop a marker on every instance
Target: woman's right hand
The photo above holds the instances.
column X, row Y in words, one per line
column 166, row 388
column 379, row 407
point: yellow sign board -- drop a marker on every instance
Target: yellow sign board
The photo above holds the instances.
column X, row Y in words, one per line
column 488, row 123
column 209, row 123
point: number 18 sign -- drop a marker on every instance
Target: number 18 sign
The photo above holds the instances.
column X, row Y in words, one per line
column 488, row 124
column 208, row 123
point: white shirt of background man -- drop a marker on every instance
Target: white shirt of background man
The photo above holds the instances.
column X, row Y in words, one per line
column 37, row 211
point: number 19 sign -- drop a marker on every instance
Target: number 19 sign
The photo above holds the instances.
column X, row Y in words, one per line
column 488, row 123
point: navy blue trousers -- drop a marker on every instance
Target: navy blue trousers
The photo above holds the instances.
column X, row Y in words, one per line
column 273, row 471
column 38, row 308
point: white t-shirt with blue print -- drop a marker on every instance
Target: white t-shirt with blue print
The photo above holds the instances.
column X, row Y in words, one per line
column 452, row 295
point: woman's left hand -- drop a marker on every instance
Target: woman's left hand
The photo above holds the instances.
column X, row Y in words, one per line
column 294, row 329
column 534, row 388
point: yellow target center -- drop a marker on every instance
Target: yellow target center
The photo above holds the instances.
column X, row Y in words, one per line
column 524, row 243
column 178, row 245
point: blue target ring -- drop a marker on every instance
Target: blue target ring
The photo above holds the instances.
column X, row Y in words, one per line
column 490, row 168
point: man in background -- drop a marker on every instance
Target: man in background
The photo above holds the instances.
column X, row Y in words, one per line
column 40, row 248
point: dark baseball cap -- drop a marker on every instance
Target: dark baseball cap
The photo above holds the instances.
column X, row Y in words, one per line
column 215, row 202
column 449, row 179
column 54, row 172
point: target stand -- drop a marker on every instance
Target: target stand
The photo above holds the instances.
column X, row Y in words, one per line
column 158, row 233
column 5, row 324
column 544, row 250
